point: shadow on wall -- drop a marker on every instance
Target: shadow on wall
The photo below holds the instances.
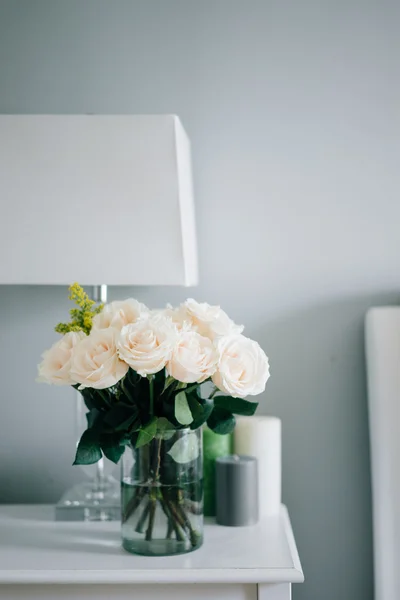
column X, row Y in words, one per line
column 318, row 388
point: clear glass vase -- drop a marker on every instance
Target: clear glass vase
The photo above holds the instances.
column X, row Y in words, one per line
column 162, row 494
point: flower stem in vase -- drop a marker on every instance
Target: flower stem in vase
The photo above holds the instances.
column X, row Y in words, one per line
column 181, row 503
column 180, row 518
column 133, row 504
column 152, row 514
column 179, row 534
column 140, row 527
column 170, row 529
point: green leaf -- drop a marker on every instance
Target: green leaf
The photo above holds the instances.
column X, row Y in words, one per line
column 193, row 389
column 163, row 424
column 94, row 418
column 133, row 377
column 127, row 394
column 92, row 399
column 221, row 421
column 195, row 407
column 88, row 450
column 185, row 449
column 129, row 386
column 165, row 429
column 182, row 411
column 105, row 397
column 168, row 382
column 181, row 385
column 132, row 438
column 113, row 445
column 120, row 416
column 113, row 453
column 206, row 408
column 200, row 410
column 237, row 406
column 147, row 433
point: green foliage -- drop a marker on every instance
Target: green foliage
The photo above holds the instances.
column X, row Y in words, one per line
column 92, row 399
column 237, row 406
column 221, row 421
column 168, row 382
column 195, row 407
column 147, row 433
column 207, row 407
column 94, row 417
column 113, row 453
column 182, row 411
column 88, row 451
column 81, row 317
column 165, row 429
column 185, row 449
column 112, row 446
column 163, row 424
column 122, row 415
column 138, row 409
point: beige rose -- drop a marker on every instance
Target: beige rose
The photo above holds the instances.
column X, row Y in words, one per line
column 56, row 363
column 95, row 362
column 177, row 316
column 210, row 321
column 194, row 358
column 120, row 313
column 243, row 367
column 146, row 345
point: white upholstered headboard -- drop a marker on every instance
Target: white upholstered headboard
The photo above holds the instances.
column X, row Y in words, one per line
column 382, row 337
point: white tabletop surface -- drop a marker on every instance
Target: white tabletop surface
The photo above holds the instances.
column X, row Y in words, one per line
column 36, row 549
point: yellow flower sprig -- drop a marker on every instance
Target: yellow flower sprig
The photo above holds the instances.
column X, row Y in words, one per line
column 82, row 317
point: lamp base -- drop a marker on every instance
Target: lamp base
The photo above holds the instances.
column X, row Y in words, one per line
column 89, row 501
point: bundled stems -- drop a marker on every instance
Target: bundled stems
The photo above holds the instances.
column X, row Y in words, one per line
column 170, row 499
column 152, row 514
column 186, row 520
column 133, row 504
column 140, row 527
column 172, row 523
column 153, row 497
column 170, row 529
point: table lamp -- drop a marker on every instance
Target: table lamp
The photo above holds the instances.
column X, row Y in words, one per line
column 102, row 200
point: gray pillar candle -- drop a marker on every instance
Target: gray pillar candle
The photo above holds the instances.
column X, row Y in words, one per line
column 237, row 490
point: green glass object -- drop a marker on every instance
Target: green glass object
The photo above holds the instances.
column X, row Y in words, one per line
column 214, row 446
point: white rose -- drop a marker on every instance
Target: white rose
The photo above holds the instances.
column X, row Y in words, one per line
column 243, row 367
column 194, row 358
column 95, row 362
column 210, row 321
column 56, row 363
column 146, row 345
column 177, row 316
column 120, row 313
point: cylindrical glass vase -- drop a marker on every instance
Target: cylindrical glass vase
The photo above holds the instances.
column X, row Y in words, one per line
column 162, row 494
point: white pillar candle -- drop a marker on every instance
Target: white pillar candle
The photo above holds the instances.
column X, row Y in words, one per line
column 261, row 437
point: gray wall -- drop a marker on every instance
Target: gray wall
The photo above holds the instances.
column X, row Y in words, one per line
column 292, row 109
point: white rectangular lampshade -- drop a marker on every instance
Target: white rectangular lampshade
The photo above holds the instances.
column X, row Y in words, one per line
column 98, row 199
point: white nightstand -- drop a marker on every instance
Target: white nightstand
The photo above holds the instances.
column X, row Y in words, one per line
column 42, row 559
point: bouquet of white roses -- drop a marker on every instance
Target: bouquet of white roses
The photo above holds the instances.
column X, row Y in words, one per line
column 134, row 366
column 145, row 375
